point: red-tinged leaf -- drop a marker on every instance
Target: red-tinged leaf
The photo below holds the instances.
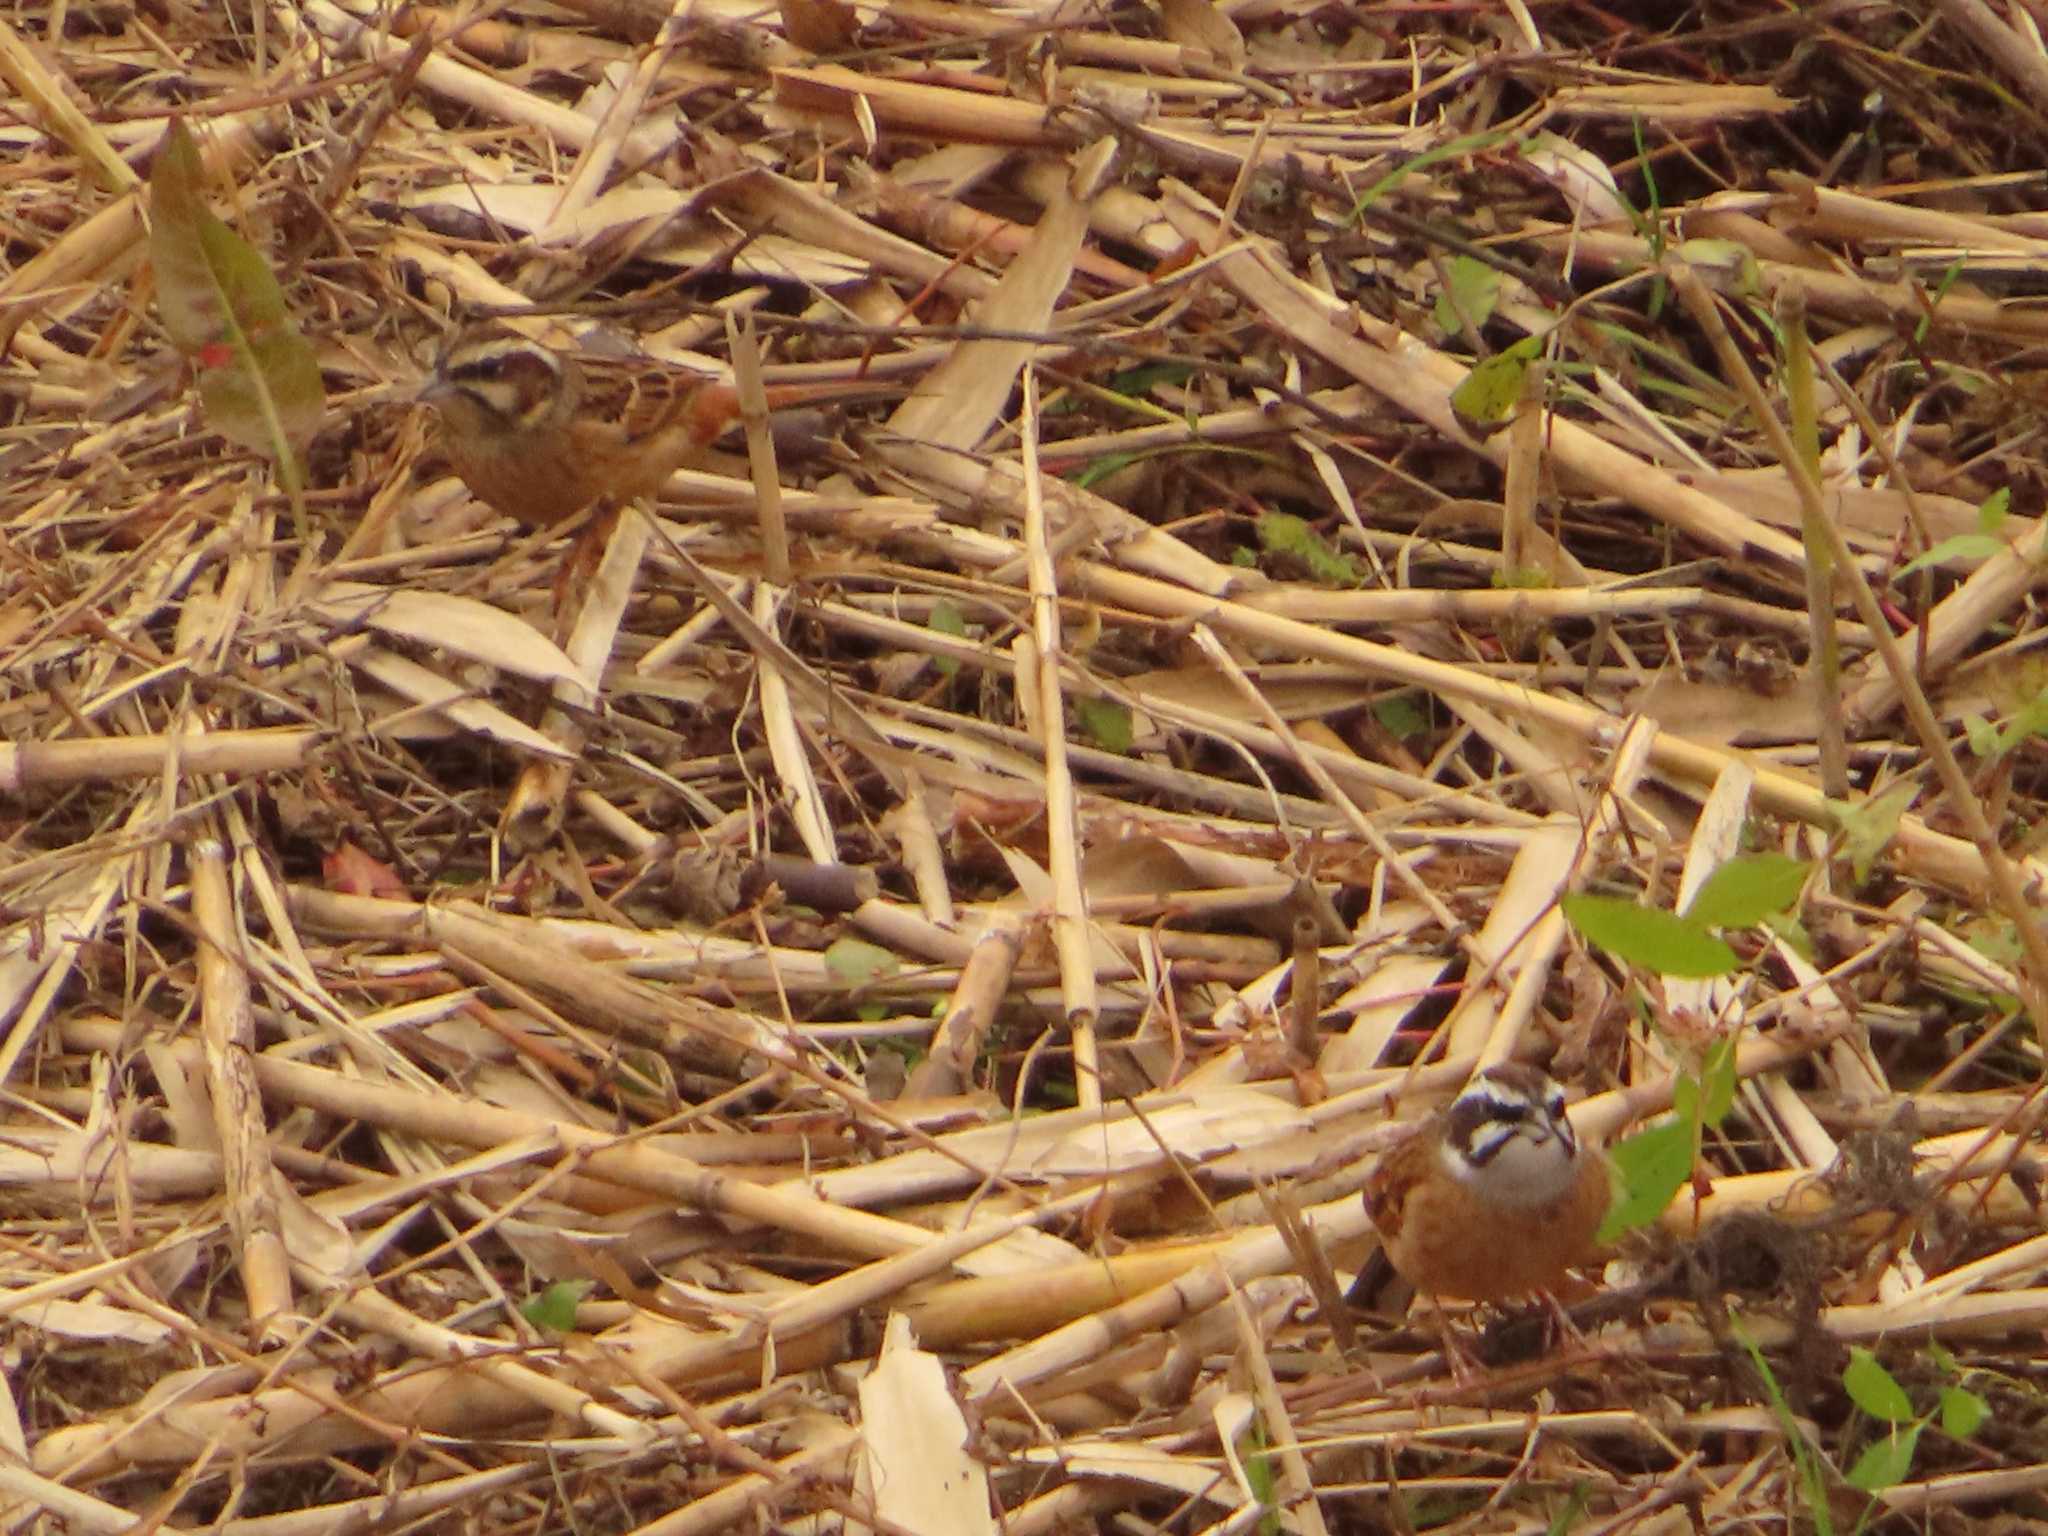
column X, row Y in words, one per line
column 224, row 311
column 352, row 872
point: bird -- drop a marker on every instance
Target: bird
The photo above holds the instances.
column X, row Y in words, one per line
column 539, row 434
column 1493, row 1196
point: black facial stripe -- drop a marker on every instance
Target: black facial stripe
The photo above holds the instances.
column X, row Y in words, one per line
column 1484, row 1118
column 489, row 366
column 1474, row 1110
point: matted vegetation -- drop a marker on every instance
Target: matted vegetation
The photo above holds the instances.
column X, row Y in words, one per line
column 875, row 999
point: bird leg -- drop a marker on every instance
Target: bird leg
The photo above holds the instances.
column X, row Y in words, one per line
column 1457, row 1360
column 579, row 567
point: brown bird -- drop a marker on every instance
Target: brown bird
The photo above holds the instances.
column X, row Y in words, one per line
column 539, row 435
column 1493, row 1196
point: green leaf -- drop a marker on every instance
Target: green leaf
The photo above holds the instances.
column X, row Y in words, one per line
column 1400, row 716
column 1472, row 291
column 1646, row 936
column 1885, row 1463
column 1982, row 735
column 1994, row 510
column 1101, row 469
column 1285, row 534
column 1106, row 722
column 1491, row 389
column 856, row 963
column 947, row 619
column 1948, row 278
column 1717, row 1079
column 2029, row 720
column 555, row 1308
column 1962, row 1411
column 1140, row 381
column 225, row 313
column 1869, row 825
column 1874, row 1389
column 1651, row 1167
column 1961, row 546
column 1746, row 890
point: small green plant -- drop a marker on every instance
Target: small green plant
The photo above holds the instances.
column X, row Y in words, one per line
column 1948, row 281
column 1281, row 533
column 1886, row 1460
column 1400, row 716
column 1742, row 893
column 1257, row 1458
column 554, row 1309
column 1106, row 723
column 1991, row 741
column 1649, row 225
column 1981, row 545
column 1651, row 1166
column 1868, row 825
column 1489, row 392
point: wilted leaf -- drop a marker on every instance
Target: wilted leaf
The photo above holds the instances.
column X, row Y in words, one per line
column 1202, row 24
column 820, row 26
column 1731, row 257
column 225, row 313
column 352, row 872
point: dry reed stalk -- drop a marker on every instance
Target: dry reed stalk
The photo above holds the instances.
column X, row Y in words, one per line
column 1238, row 505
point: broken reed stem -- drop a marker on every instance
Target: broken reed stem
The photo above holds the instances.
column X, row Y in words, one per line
column 1063, row 851
column 1823, row 637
